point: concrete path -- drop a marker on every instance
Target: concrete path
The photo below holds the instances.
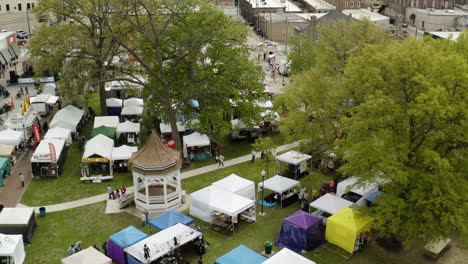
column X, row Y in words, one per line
column 184, row 175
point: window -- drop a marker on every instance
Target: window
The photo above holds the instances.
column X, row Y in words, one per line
column 346, row 4
column 28, row 6
column 33, row 4
column 7, row 6
column 352, row 3
column 358, row 3
column 19, row 7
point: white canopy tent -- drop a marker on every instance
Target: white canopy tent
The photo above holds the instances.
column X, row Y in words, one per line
column 69, row 114
column 203, row 202
column 11, row 246
column 123, row 152
column 113, row 102
column 59, row 133
column 330, row 203
column 108, row 121
column 364, row 191
column 11, row 137
column 132, row 110
column 52, row 99
column 166, row 128
column 293, row 157
column 42, row 153
column 265, row 105
column 133, row 101
column 278, row 184
column 63, row 124
column 128, row 127
column 99, row 145
column 87, row 256
column 286, row 255
column 162, row 242
column 270, row 115
column 238, row 185
column 239, row 124
column 195, row 140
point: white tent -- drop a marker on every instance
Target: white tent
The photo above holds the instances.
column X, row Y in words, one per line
column 286, row 255
column 128, row 127
column 265, row 105
column 293, row 157
column 195, row 140
column 365, row 191
column 238, row 185
column 63, row 124
column 278, row 184
column 330, row 203
column 113, row 102
column 132, row 110
column 42, row 152
column 133, row 101
column 239, row 124
column 270, row 115
column 11, row 137
column 99, row 145
column 11, row 246
column 162, row 242
column 59, row 133
column 69, row 114
column 108, row 121
column 203, row 202
column 123, row 152
column 52, row 99
column 87, row 256
column 166, row 128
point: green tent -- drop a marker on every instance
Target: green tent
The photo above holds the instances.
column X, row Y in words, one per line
column 4, row 169
column 106, row 131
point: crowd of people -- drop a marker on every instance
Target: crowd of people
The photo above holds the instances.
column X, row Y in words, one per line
column 305, row 197
column 117, row 193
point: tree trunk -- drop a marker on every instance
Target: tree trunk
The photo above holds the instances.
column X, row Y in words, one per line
column 175, row 131
column 102, row 97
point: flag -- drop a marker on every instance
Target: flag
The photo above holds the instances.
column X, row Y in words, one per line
column 23, row 107
column 28, row 99
column 27, row 102
column 12, row 104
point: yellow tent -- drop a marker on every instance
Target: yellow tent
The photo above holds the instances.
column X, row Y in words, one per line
column 344, row 227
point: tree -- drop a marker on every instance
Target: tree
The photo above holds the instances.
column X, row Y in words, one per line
column 408, row 128
column 303, row 54
column 188, row 50
column 267, row 148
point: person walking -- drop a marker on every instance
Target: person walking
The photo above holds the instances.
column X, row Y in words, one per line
column 21, row 178
column 110, row 192
column 253, row 155
column 221, row 160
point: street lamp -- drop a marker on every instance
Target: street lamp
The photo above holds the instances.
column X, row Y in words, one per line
column 263, row 173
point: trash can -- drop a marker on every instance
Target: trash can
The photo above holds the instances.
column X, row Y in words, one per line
column 268, row 245
column 42, row 211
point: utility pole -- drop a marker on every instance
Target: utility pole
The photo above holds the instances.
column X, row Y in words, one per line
column 29, row 25
column 286, row 33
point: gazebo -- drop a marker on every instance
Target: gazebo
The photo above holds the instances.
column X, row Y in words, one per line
column 156, row 176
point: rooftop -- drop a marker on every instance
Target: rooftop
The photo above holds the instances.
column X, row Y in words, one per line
column 445, row 35
column 360, row 14
column 281, row 17
column 320, row 4
column 290, row 6
column 309, row 15
column 439, row 12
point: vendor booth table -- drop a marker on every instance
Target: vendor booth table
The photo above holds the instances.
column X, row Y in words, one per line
column 357, row 194
column 98, row 152
column 48, row 158
column 4, row 169
column 87, row 256
column 348, row 229
column 59, row 133
column 238, row 185
column 161, row 243
column 198, row 145
column 121, row 240
column 170, row 218
column 11, row 137
column 330, row 204
column 281, row 185
column 241, row 255
column 301, row 231
column 297, row 163
column 12, row 248
column 20, row 221
column 287, row 256
column 130, row 130
column 114, row 106
column 108, row 121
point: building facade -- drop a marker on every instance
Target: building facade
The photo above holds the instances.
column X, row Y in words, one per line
column 10, row 68
column 345, row 4
column 398, row 7
column 12, row 6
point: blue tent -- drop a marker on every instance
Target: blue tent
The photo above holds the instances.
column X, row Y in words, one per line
column 169, row 219
column 241, row 255
column 4, row 169
column 121, row 240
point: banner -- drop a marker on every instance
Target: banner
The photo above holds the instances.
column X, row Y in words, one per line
column 32, row 80
column 171, row 143
column 89, row 160
column 53, row 154
column 37, row 134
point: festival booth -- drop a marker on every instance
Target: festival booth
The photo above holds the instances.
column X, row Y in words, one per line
column 161, row 243
column 170, row 218
column 48, row 158
column 129, row 131
column 330, row 204
column 103, row 130
column 70, row 117
column 87, row 256
column 8, row 152
column 133, row 101
column 301, row 231
column 267, row 105
column 221, row 208
column 166, row 130
column 287, row 256
column 270, row 122
column 18, row 221
column 18, row 122
column 39, row 104
column 241, row 255
column 59, row 133
column 62, row 124
column 4, row 169
column 348, row 229
column 12, row 249
column 238, row 185
column 297, row 163
column 120, row 157
column 132, row 112
column 114, row 106
column 108, row 121
column 11, row 137
column 197, row 146
column 241, row 131
column 121, row 240
column 98, row 153
column 282, row 187
column 357, row 194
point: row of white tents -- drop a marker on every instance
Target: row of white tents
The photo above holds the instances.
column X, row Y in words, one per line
column 131, row 106
column 68, row 117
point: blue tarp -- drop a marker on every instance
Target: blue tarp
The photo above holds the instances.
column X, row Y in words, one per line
column 128, row 236
column 372, row 197
column 241, row 255
column 131, row 260
column 169, row 219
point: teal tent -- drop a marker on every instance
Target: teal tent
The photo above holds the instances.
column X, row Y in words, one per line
column 4, row 169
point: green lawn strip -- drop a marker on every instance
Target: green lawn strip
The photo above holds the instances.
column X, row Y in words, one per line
column 58, row 230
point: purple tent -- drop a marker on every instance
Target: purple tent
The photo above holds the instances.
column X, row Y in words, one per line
column 300, row 231
column 121, row 240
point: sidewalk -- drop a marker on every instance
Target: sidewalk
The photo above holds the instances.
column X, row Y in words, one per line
column 184, row 175
column 12, row 191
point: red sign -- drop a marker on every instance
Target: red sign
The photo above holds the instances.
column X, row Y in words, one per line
column 171, row 143
column 53, row 155
column 37, row 134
